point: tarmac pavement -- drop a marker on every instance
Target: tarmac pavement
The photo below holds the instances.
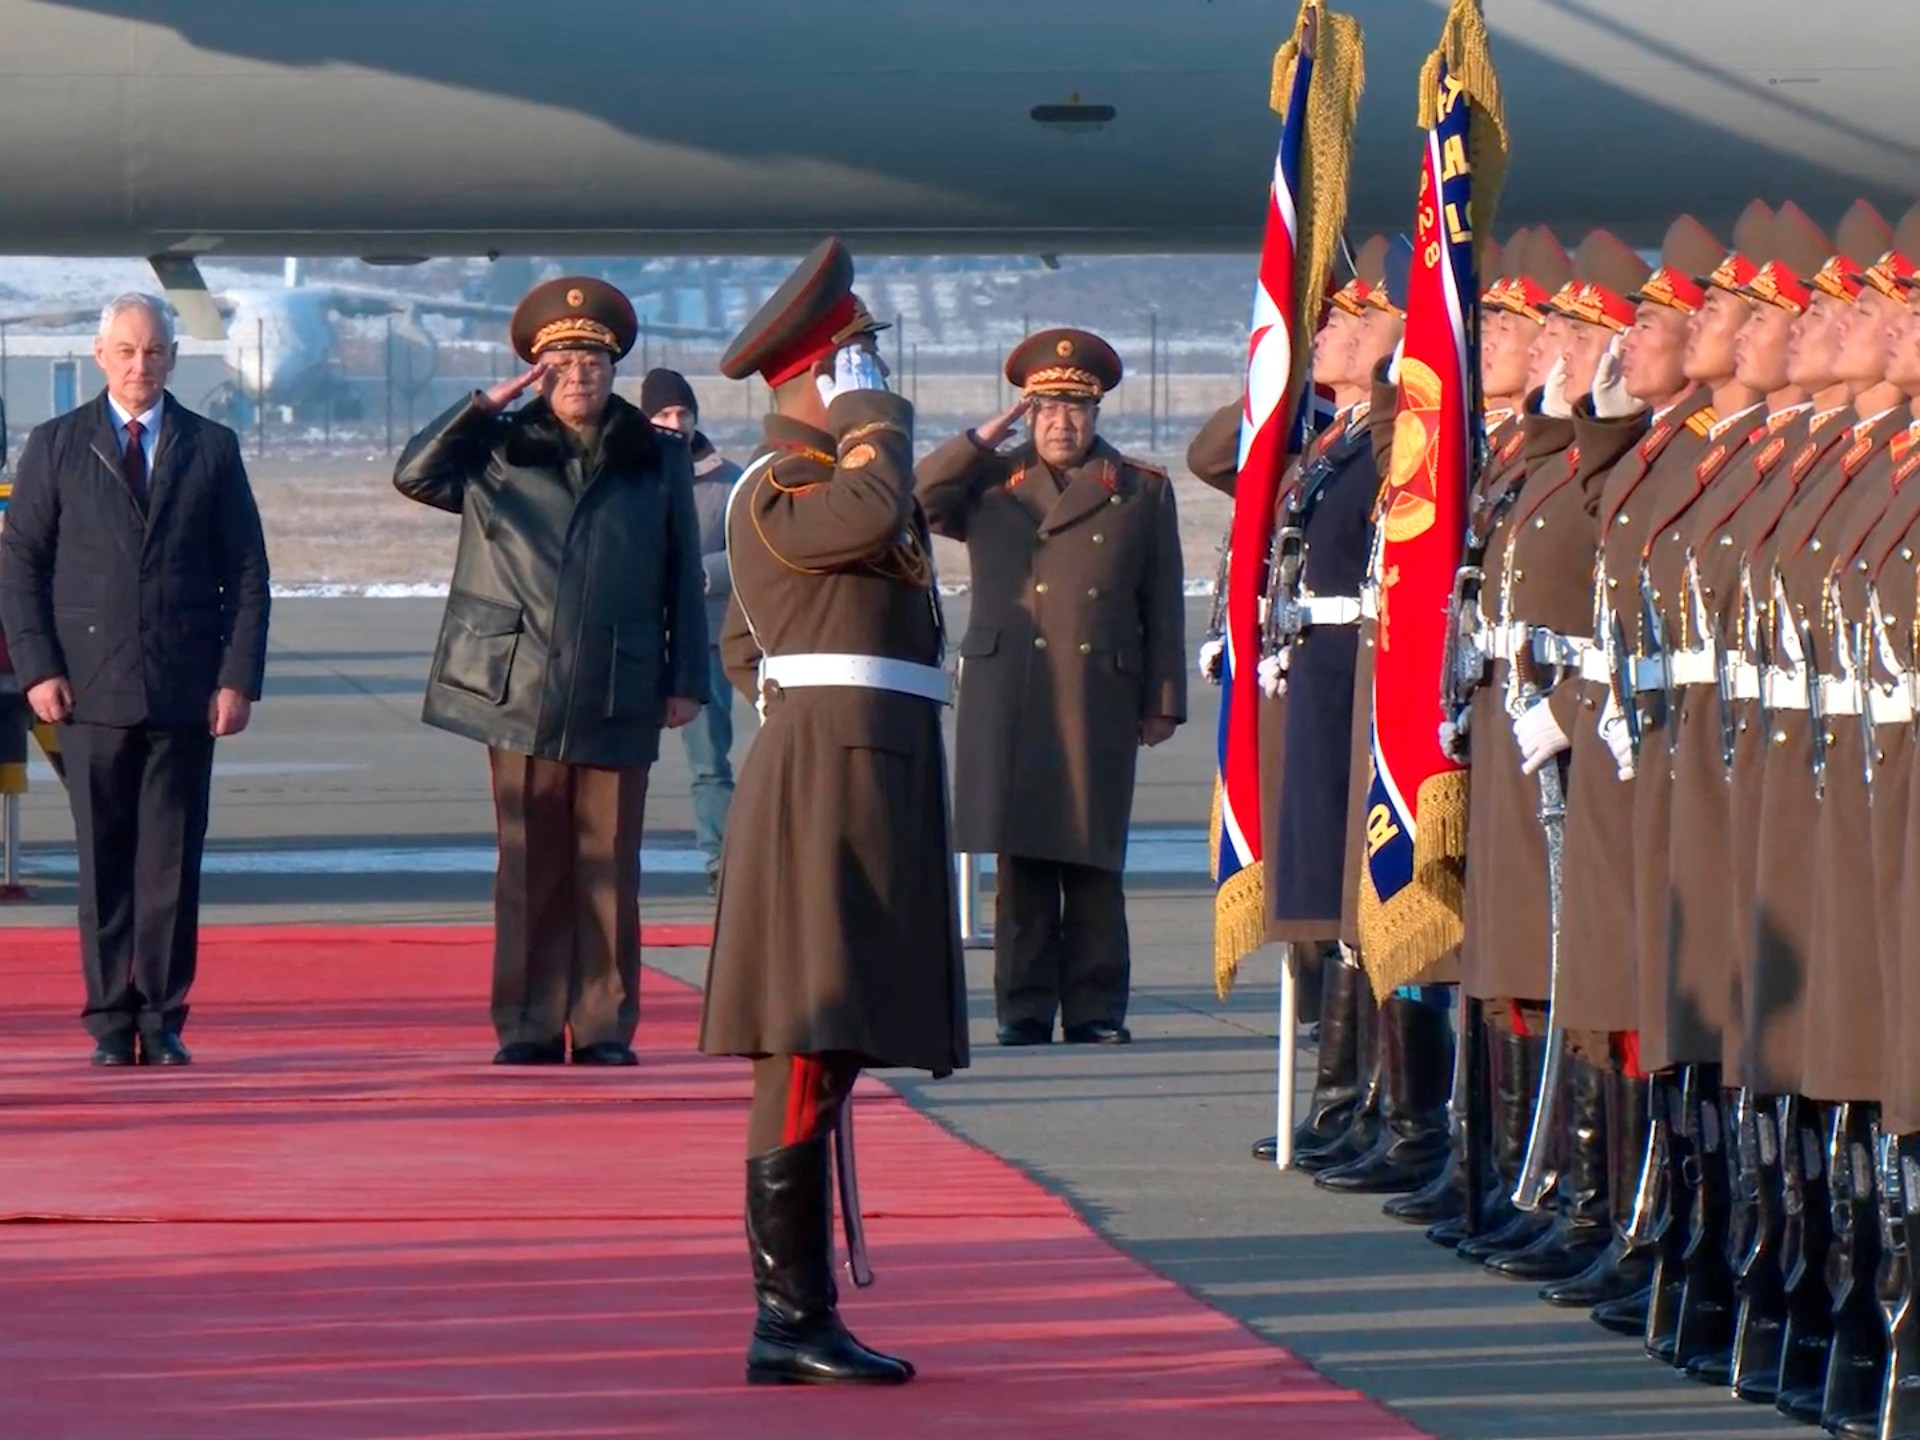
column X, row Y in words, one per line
column 338, row 805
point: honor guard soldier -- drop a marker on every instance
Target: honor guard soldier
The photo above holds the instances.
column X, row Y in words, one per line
column 836, row 941
column 1322, row 563
column 574, row 633
column 1073, row 659
column 1542, row 570
column 1512, row 315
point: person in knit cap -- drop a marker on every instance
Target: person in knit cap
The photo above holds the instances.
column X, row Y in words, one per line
column 668, row 400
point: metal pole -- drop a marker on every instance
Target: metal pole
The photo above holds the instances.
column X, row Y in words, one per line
column 260, row 374
column 972, row 937
column 1288, row 1058
column 1153, row 380
column 899, row 348
column 389, row 384
column 12, row 884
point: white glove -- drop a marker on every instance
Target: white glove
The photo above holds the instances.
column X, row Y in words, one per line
column 1273, row 675
column 1613, row 730
column 1393, row 365
column 1610, row 398
column 1539, row 737
column 1212, row 653
column 855, row 367
column 1553, row 394
column 1453, row 736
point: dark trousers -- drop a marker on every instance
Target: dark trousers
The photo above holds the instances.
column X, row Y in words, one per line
column 797, row 1098
column 1059, row 943
column 566, row 900
column 139, row 798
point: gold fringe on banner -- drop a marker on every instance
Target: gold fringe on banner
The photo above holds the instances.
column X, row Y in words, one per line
column 1326, row 153
column 1469, row 60
column 1239, row 925
column 1416, row 930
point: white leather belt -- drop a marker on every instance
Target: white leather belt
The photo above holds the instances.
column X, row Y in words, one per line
column 1693, row 667
column 1890, row 704
column 1330, row 609
column 1503, row 640
column 1786, row 689
column 1840, row 696
column 864, row 672
column 1743, row 680
column 1369, row 603
column 1568, row 651
column 1593, row 666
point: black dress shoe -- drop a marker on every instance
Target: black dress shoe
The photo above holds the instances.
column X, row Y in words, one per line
column 607, row 1052
column 1026, row 1032
column 164, row 1050
column 532, row 1052
column 1097, row 1032
column 1267, row 1150
column 113, row 1050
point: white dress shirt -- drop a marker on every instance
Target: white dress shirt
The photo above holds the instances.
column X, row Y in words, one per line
column 150, row 424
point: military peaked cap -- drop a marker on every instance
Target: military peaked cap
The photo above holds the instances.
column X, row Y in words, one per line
column 1072, row 363
column 812, row 314
column 574, row 312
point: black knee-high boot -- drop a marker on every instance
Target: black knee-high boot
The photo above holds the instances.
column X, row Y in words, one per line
column 1581, row 1228
column 1339, row 1071
column 1353, row 1123
column 1899, row 1207
column 798, row 1337
column 1759, row 1328
column 1411, row 1146
column 1625, row 1266
column 1808, row 1236
column 1857, row 1364
column 1506, row 1227
column 1445, row 1196
column 1703, row 1341
column 1675, row 1095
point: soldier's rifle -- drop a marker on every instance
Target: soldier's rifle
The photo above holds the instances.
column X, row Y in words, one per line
column 1655, row 649
column 1706, row 630
column 1796, row 643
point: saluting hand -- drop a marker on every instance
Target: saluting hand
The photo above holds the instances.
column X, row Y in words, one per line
column 997, row 429
column 507, row 391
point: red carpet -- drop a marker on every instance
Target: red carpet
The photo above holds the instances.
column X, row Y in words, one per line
column 345, row 1225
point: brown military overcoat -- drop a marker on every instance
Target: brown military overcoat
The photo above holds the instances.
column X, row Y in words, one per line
column 1633, row 468
column 1076, row 635
column 1683, row 986
column 1889, row 561
column 1489, row 740
column 1843, row 964
column 1539, row 570
column 1716, row 815
column 836, row 928
column 1783, row 1053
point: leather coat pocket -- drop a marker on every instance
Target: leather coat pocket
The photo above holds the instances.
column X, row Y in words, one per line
column 635, row 686
column 477, row 645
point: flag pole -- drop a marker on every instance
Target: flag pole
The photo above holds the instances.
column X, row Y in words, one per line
column 1284, row 1085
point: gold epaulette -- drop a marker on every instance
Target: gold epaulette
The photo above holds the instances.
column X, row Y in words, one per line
column 1702, row 421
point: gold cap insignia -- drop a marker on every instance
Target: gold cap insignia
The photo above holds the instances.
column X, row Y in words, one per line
column 859, row 457
column 576, row 297
column 1063, row 349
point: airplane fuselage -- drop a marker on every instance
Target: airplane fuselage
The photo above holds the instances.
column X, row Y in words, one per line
column 402, row 128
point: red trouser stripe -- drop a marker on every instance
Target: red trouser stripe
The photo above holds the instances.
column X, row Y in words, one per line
column 1626, row 1045
column 804, row 1085
column 1519, row 1017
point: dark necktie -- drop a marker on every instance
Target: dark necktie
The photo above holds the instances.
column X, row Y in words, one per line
column 133, row 463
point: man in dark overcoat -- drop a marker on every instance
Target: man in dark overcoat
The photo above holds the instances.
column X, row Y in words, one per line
column 1074, row 658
